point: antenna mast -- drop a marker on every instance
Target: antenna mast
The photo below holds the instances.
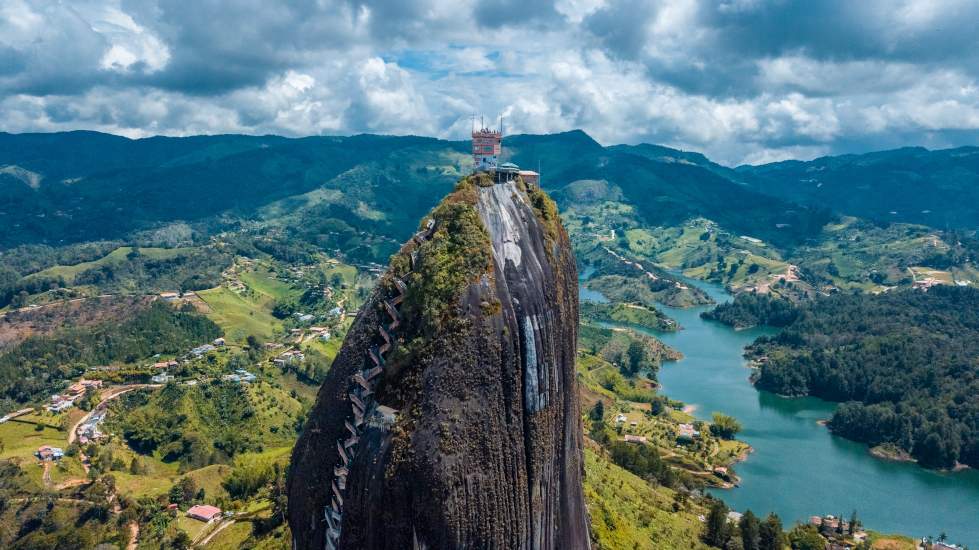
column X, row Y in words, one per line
column 473, row 119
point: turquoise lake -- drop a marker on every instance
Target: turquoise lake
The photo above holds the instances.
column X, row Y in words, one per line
column 799, row 469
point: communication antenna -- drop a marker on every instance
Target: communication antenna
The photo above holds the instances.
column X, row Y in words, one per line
column 481, row 124
column 473, row 119
column 501, row 125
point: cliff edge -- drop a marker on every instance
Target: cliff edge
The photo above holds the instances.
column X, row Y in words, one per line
column 450, row 417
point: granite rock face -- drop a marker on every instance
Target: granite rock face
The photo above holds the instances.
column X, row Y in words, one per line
column 477, row 442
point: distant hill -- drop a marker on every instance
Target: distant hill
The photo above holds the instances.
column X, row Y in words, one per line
column 85, row 186
column 664, row 185
column 911, row 185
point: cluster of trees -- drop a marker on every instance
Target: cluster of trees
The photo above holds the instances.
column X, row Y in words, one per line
column 313, row 368
column 903, row 363
column 724, row 426
column 210, row 423
column 50, row 523
column 15, row 290
column 750, row 533
column 136, row 273
column 197, row 270
column 749, row 309
column 39, row 365
column 31, row 258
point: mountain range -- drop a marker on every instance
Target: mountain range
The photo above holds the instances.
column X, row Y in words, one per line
column 70, row 187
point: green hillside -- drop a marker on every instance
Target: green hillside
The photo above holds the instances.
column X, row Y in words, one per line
column 910, row 185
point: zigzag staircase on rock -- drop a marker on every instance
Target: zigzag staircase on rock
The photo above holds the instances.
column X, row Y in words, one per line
column 362, row 404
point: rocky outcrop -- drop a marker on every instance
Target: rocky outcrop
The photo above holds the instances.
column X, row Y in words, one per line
column 450, row 416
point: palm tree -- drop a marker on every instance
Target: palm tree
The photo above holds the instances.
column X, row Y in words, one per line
column 943, row 537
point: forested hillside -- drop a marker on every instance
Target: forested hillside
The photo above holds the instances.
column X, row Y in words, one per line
column 911, row 185
column 41, row 365
column 904, row 364
column 750, row 309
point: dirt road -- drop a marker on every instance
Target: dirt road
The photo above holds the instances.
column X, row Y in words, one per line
column 216, row 531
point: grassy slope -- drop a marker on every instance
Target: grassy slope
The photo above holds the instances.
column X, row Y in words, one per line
column 252, row 313
column 232, row 311
column 628, row 513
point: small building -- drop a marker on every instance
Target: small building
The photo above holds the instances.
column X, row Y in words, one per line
column 621, row 418
column 509, row 171
column 530, row 177
column 161, row 378
column 734, row 516
column 219, row 342
column 720, row 470
column 204, row 513
column 47, row 452
column 637, row 439
column 76, row 389
column 169, row 295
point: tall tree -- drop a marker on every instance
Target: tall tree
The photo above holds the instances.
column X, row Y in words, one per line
column 771, row 536
column 725, row 426
column 715, row 528
column 598, row 412
column 637, row 356
column 854, row 523
column 750, row 530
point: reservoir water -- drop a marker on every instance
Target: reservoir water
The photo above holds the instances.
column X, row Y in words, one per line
column 799, row 469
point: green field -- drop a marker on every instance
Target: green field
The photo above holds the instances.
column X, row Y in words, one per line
column 259, row 281
column 231, row 537
column 232, row 311
column 21, row 438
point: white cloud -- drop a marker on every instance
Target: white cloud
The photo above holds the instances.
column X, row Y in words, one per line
column 576, row 10
column 740, row 80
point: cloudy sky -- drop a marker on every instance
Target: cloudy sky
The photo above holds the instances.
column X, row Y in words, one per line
column 743, row 81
